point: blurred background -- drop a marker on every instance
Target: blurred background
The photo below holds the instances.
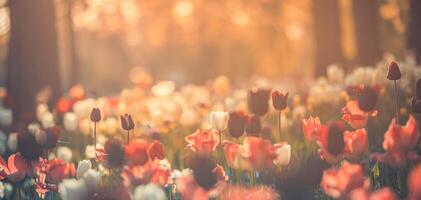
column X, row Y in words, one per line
column 97, row 42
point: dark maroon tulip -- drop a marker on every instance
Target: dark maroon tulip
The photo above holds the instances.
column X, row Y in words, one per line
column 236, row 123
column 335, row 141
column 367, row 99
column 279, row 100
column 127, row 122
column 28, row 146
column 393, row 73
column 253, row 127
column 258, row 101
column 52, row 134
column 115, row 153
column 203, row 166
column 95, row 115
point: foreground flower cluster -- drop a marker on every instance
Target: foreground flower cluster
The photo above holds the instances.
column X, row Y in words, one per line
column 343, row 137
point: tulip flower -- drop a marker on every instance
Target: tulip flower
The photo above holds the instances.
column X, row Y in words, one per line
column 394, row 74
column 339, row 183
column 331, row 141
column 137, row 152
column 356, row 117
column 414, row 183
column 83, row 167
column 236, row 123
column 283, row 154
column 258, row 101
column 149, row 191
column 14, row 169
column 202, row 141
column 260, row 152
column 356, row 142
column 279, row 102
column 367, row 98
column 127, row 124
column 401, row 138
column 254, row 126
column 219, row 120
column 156, row 150
column 311, row 128
column 56, row 170
column 95, row 117
column 114, row 152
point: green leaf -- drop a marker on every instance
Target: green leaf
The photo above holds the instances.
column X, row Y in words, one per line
column 376, row 170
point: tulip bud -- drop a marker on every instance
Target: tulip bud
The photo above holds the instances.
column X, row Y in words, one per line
column 253, row 127
column 279, row 100
column 367, row 99
column 219, row 120
column 393, row 73
column 258, row 101
column 418, row 89
column 236, row 123
column 127, row 122
column 95, row 115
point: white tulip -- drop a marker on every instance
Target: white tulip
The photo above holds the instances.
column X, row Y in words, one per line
column 72, row 189
column 149, row 192
column 64, row 153
column 219, row 120
column 82, row 167
column 283, row 152
column 70, row 121
column 6, row 117
column 92, row 180
column 47, row 120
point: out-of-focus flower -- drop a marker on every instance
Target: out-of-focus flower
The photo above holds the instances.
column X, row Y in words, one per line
column 57, row 170
column 260, row 152
column 202, row 141
column 331, row 141
column 28, row 146
column 127, row 122
column 367, row 99
column 12, row 142
column 149, row 192
column 219, row 120
column 71, row 189
column 47, row 120
column 401, row 138
column 256, row 192
column 137, row 152
column 114, row 151
column 283, row 152
column 77, row 92
column 151, row 172
column 70, row 122
column 322, row 93
column 64, row 153
column 335, row 74
column 82, row 168
column 380, row 194
column 156, row 150
column 90, row 151
column 356, row 117
column 95, row 115
column 279, row 100
column 360, row 76
column 6, row 117
column 92, row 179
column 253, row 127
column 414, row 183
column 163, row 88
column 339, row 183
column 14, row 169
column 258, row 101
column 393, row 72
column 83, row 108
column 52, row 134
column 311, row 128
column 233, row 154
column 63, row 105
column 221, row 85
column 3, row 141
column 356, row 142
column 236, row 123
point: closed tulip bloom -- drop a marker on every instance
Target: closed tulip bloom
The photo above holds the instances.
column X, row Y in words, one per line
column 258, row 101
column 367, row 99
column 393, row 72
column 279, row 100
column 236, row 123
column 95, row 115
column 254, row 126
column 219, row 120
column 127, row 122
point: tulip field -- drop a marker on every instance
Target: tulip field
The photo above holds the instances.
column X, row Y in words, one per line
column 348, row 136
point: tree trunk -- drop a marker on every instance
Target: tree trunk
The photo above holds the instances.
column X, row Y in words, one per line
column 32, row 61
column 367, row 31
column 414, row 28
column 327, row 34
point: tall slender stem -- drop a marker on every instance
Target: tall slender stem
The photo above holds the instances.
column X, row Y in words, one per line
column 395, row 92
column 128, row 137
column 279, row 125
column 95, row 135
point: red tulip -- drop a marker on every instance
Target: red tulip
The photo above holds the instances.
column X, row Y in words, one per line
column 258, row 101
column 63, row 105
column 259, row 152
column 356, row 142
column 401, row 138
column 393, row 72
column 339, row 183
column 311, row 128
column 331, row 141
column 56, row 170
column 236, row 123
column 151, row 172
column 279, row 100
column 203, row 141
column 137, row 152
column 156, row 150
column 356, row 117
column 95, row 115
column 15, row 169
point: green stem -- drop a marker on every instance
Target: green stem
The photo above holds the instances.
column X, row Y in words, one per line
column 128, row 137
